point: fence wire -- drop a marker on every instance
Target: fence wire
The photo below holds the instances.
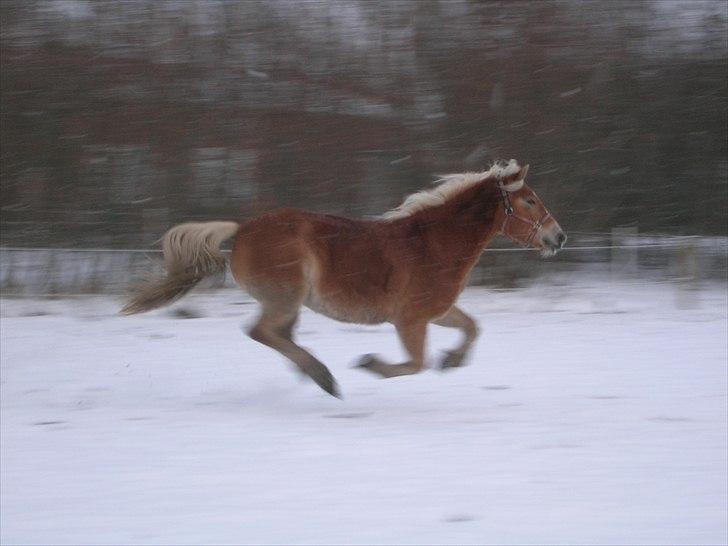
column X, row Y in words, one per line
column 47, row 271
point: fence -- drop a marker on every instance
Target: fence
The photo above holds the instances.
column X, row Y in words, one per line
column 63, row 271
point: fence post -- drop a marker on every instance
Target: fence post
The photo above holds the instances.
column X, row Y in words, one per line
column 624, row 262
column 686, row 279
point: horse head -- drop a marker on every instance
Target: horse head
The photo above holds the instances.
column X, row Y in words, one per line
column 525, row 219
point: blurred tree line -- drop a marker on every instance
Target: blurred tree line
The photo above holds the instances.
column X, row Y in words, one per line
column 119, row 119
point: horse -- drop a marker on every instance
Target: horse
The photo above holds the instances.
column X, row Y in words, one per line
column 406, row 267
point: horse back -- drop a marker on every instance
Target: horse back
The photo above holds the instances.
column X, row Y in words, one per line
column 363, row 271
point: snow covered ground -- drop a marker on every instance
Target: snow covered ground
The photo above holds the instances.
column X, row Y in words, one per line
column 591, row 413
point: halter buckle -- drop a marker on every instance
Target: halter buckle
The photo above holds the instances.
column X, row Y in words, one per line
column 506, row 200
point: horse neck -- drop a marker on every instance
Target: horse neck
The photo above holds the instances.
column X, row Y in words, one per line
column 465, row 225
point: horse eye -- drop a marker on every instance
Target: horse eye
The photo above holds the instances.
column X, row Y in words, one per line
column 530, row 202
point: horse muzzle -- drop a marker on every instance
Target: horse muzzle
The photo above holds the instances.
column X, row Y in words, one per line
column 552, row 240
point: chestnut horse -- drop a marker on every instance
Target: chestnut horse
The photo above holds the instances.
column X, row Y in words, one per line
column 406, row 267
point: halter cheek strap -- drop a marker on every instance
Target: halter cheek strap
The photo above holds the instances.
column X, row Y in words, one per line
column 511, row 215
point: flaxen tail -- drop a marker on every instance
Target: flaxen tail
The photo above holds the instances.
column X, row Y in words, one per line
column 191, row 253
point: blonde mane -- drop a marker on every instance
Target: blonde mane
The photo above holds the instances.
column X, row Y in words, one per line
column 447, row 186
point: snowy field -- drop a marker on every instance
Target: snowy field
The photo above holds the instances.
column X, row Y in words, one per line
column 590, row 413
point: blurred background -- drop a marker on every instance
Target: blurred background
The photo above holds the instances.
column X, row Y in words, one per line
column 120, row 119
column 594, row 411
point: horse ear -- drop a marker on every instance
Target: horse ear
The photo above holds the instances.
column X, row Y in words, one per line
column 522, row 173
column 513, row 186
column 516, row 180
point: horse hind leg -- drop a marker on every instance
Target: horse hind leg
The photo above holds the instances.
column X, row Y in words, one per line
column 286, row 329
column 456, row 318
column 412, row 336
column 275, row 329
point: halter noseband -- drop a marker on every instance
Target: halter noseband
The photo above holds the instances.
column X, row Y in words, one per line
column 510, row 214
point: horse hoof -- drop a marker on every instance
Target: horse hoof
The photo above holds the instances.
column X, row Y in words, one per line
column 372, row 364
column 323, row 378
column 367, row 361
column 452, row 360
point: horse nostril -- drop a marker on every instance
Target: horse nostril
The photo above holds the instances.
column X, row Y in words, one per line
column 560, row 239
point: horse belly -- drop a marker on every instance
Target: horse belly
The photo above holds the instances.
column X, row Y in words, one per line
column 344, row 309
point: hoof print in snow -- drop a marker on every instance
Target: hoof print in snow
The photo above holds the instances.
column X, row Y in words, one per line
column 458, row 518
column 349, row 415
column 28, row 314
column 185, row 313
column 161, row 336
column 671, row 419
column 556, row 446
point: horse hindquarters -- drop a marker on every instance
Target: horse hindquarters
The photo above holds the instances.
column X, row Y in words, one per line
column 270, row 265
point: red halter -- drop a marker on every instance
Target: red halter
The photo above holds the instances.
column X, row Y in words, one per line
column 511, row 215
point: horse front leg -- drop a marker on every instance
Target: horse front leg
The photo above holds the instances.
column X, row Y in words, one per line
column 412, row 336
column 456, row 318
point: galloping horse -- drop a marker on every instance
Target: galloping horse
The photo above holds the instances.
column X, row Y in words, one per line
column 406, row 267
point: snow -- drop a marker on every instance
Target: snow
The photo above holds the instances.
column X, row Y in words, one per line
column 592, row 412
